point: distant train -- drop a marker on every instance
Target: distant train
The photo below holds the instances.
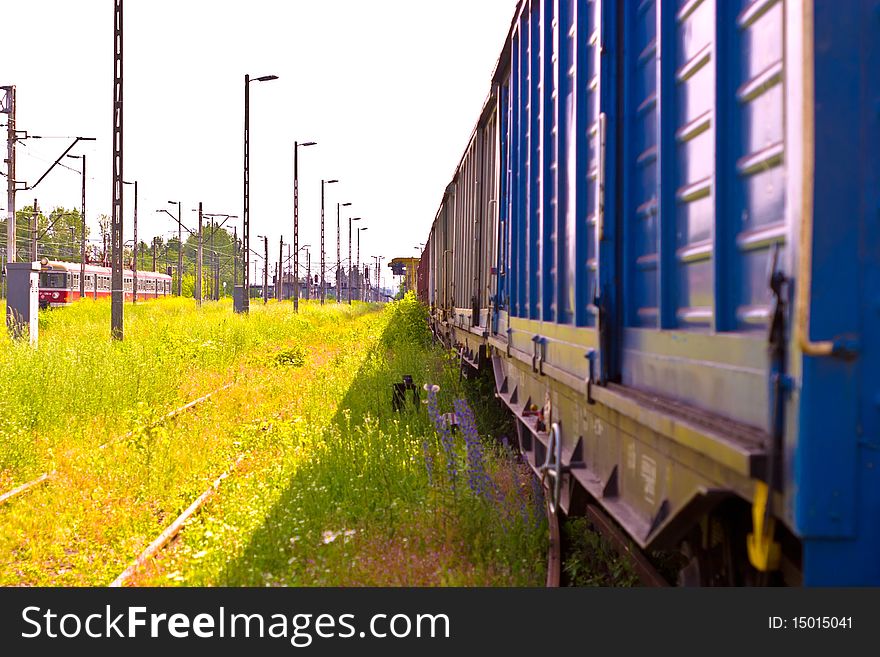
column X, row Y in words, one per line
column 60, row 283
column 663, row 240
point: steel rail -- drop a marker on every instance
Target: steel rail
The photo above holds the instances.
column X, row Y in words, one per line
column 173, row 529
column 15, row 492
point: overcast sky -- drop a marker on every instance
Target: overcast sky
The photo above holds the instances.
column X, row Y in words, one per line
column 390, row 89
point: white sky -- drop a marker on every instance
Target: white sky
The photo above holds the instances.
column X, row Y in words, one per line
column 390, row 89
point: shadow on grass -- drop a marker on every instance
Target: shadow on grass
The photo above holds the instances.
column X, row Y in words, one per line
column 363, row 475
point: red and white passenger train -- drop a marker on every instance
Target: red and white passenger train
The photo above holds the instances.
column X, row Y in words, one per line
column 59, row 283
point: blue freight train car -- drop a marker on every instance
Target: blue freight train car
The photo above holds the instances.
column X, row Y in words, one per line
column 664, row 239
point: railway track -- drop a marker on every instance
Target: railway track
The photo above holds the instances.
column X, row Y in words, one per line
column 47, row 476
column 173, row 529
column 647, row 573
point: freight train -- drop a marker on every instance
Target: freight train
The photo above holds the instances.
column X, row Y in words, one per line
column 663, row 239
column 60, row 283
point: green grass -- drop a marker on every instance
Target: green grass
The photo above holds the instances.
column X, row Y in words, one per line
column 333, row 488
column 349, row 500
column 80, row 382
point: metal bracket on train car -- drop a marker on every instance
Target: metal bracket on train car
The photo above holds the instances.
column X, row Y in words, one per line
column 591, row 359
column 552, row 468
column 509, row 339
column 539, row 353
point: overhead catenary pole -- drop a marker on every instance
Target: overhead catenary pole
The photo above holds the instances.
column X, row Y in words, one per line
column 338, row 255
column 295, row 227
column 245, row 215
column 134, row 272
column 116, row 286
column 379, row 260
column 8, row 108
column 266, row 270
column 349, row 261
column 34, row 226
column 155, row 253
column 198, row 281
column 308, row 275
column 216, row 271
column 235, row 258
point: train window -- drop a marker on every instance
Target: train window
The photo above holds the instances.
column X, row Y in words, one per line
column 53, row 280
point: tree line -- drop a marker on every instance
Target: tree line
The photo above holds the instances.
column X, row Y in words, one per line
column 57, row 236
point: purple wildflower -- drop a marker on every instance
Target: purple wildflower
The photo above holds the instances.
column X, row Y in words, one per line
column 443, row 430
column 478, row 479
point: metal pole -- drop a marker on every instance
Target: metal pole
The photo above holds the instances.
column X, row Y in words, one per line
column 322, row 242
column 11, row 255
column 179, row 253
column 295, row 226
column 134, row 272
column 198, row 281
column 82, row 245
column 349, row 261
column 34, row 214
column 309, row 274
column 117, row 292
column 246, row 226
column 266, row 270
column 155, row 254
column 212, row 259
column 234, row 258
column 216, row 272
column 338, row 254
column 378, row 279
column 358, row 273
column 280, row 261
column 288, row 270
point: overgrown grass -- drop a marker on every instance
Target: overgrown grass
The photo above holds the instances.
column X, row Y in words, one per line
column 79, row 382
column 358, row 494
column 334, row 487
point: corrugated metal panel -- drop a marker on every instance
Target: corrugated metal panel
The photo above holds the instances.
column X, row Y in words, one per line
column 502, row 260
column 641, row 191
column 552, row 145
column 703, row 212
column 758, row 208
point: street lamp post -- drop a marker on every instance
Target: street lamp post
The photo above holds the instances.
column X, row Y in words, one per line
column 134, row 275
column 82, row 246
column 323, row 182
column 179, row 247
column 280, row 273
column 338, row 250
column 350, row 219
column 308, row 274
column 296, row 248
column 265, row 267
column 246, row 228
column 358, row 275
